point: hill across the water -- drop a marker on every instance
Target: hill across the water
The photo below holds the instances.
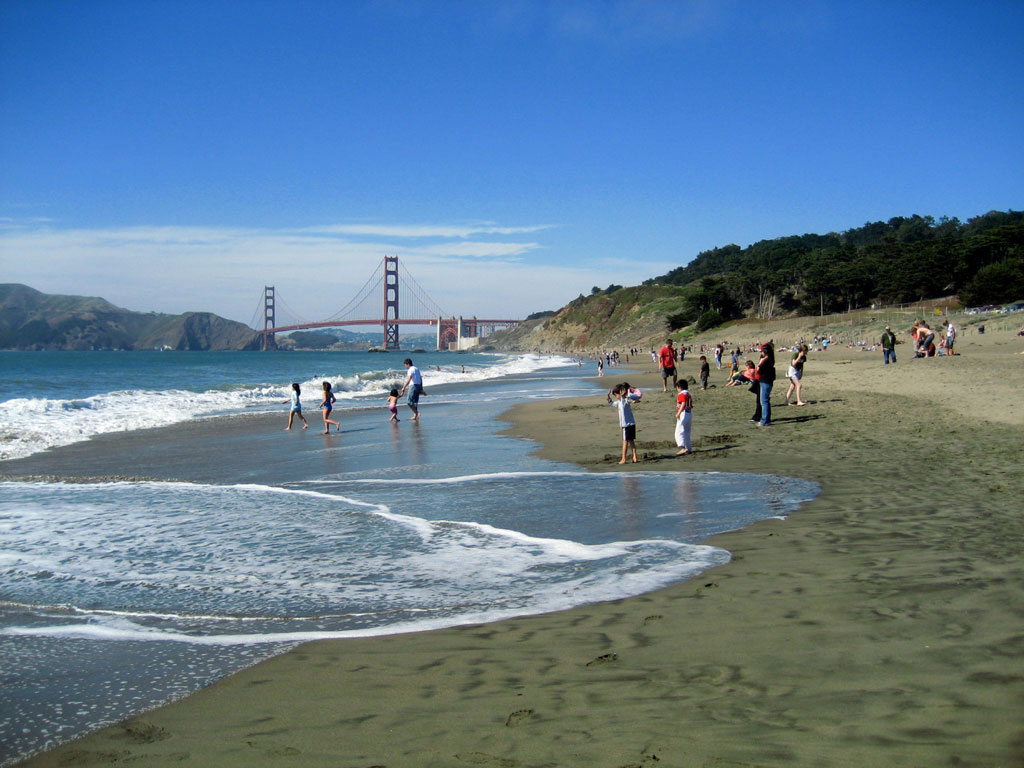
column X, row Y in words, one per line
column 31, row 320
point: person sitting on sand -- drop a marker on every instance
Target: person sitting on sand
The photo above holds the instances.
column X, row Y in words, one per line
column 744, row 376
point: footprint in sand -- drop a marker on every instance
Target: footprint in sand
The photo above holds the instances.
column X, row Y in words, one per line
column 519, row 717
column 648, row 757
column 956, row 630
column 710, row 675
column 608, row 657
column 85, row 757
column 142, row 732
column 482, row 758
column 273, row 749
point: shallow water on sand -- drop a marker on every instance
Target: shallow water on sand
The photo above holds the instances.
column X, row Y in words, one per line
column 118, row 596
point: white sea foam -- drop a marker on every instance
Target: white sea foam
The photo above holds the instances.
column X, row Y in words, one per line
column 456, row 480
column 117, row 626
column 29, row 425
column 252, row 564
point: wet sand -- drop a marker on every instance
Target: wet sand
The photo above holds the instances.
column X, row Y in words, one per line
column 882, row 624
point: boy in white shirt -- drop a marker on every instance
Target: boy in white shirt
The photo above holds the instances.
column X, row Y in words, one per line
column 626, row 420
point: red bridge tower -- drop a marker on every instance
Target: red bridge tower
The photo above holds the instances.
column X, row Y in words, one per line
column 391, row 302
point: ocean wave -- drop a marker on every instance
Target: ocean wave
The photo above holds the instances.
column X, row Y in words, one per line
column 252, row 564
column 29, row 425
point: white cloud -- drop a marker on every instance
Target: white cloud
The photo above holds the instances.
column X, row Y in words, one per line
column 478, row 249
column 611, row 22
column 316, row 271
column 6, row 222
column 423, row 230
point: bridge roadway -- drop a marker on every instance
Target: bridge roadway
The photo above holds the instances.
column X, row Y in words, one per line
column 392, row 321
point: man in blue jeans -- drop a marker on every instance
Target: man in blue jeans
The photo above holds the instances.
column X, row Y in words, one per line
column 416, row 380
column 889, row 344
column 766, row 378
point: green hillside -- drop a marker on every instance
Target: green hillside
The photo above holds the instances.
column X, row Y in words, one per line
column 899, row 261
column 903, row 260
column 30, row 319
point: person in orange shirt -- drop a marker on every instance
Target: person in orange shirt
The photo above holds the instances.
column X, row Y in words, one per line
column 667, row 362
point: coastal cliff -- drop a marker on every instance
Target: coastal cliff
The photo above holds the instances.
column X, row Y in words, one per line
column 619, row 317
column 31, row 320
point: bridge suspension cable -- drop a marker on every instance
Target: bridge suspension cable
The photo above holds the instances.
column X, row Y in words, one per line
column 364, row 293
column 421, row 295
column 257, row 313
column 290, row 313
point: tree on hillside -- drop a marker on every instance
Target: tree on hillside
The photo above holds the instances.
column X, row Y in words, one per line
column 996, row 283
column 904, row 259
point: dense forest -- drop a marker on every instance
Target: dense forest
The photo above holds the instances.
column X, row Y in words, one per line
column 901, row 260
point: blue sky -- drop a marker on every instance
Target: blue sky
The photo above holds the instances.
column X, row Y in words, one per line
column 181, row 155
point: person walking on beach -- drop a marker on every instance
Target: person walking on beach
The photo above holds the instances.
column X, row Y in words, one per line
column 393, row 405
column 796, row 373
column 328, row 406
column 766, row 377
column 296, row 409
column 620, row 392
column 415, row 379
column 888, row 345
column 705, row 372
column 684, row 417
column 667, row 362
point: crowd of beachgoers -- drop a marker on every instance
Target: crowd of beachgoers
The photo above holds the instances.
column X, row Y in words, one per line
column 752, row 364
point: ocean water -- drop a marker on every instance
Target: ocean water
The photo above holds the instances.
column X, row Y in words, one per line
column 118, row 596
column 50, row 399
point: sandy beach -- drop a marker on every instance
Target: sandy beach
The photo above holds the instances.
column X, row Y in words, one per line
column 880, row 625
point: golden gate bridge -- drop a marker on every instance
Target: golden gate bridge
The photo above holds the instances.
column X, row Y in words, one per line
column 377, row 303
